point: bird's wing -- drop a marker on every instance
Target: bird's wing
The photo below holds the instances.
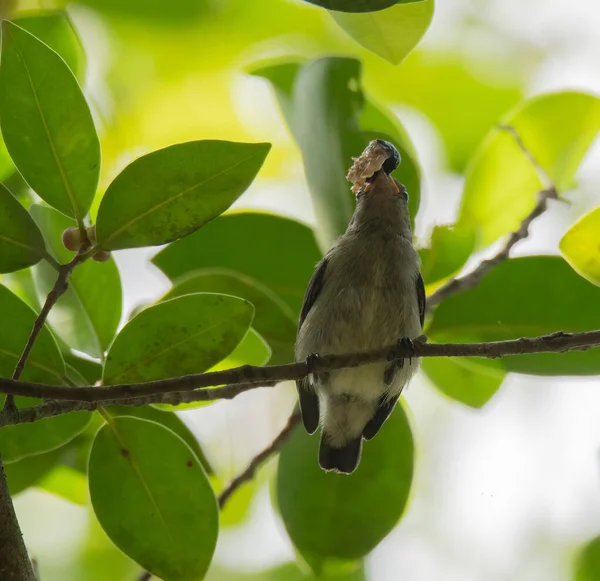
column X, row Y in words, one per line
column 315, row 286
column 421, row 298
column 309, row 400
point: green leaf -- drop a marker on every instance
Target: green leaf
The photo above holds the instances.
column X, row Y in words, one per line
column 338, row 517
column 524, row 297
column 391, row 34
column 167, row 420
column 91, row 371
column 21, row 284
column 285, row 572
column 56, row 30
column 169, row 193
column 325, row 106
column 67, row 483
column 153, row 498
column 46, row 123
column 185, row 335
column 21, row 243
column 251, row 351
column 86, row 317
column 44, row 365
column 469, row 380
column 587, row 567
column 308, row 94
column 581, row 246
column 358, row 5
column 29, row 471
column 7, row 168
column 273, row 319
column 276, row 251
column 448, row 251
column 238, row 506
column 501, row 183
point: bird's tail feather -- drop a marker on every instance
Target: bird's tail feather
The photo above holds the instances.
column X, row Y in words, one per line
column 344, row 459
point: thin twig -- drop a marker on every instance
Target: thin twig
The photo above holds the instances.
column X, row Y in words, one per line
column 60, row 286
column 472, row 279
column 51, row 408
column 547, row 183
column 241, row 379
column 260, row 459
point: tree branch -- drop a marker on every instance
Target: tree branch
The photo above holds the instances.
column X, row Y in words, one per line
column 259, row 459
column 472, row 279
column 60, row 286
column 240, row 379
column 14, row 561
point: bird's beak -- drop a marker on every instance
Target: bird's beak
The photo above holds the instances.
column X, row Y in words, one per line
column 382, row 181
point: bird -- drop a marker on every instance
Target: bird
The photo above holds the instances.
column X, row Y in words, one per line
column 366, row 293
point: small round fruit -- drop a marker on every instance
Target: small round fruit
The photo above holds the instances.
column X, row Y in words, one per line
column 101, row 256
column 91, row 232
column 71, row 238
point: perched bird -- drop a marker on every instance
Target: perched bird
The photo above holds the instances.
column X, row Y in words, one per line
column 366, row 293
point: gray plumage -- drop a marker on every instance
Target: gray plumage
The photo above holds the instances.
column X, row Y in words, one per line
column 366, row 293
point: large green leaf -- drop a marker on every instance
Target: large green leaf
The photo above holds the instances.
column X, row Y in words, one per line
column 153, row 498
column 285, row 572
column 276, row 251
column 358, row 5
column 188, row 334
column 21, row 243
column 56, row 30
column 166, row 420
column 447, row 253
column 501, row 182
column 86, row 317
column 339, row 517
column 169, row 193
column 29, row 471
column 330, row 120
column 468, row 380
column 525, row 297
column 325, row 105
column 392, row 33
column 587, row 566
column 44, row 365
column 581, row 246
column 252, row 350
column 46, row 123
column 273, row 319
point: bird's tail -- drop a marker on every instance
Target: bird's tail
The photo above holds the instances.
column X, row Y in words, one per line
column 344, row 459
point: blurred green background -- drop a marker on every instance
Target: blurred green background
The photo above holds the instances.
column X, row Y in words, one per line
column 508, row 491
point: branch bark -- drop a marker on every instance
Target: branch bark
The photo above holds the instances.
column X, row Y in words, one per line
column 14, row 561
column 472, row 279
column 240, row 379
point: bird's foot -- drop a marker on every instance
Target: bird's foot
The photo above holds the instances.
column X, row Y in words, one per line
column 405, row 349
column 312, row 363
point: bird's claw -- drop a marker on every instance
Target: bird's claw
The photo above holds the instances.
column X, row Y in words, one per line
column 405, row 349
column 312, row 362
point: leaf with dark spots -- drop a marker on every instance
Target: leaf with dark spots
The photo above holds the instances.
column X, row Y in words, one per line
column 170, row 193
column 156, row 344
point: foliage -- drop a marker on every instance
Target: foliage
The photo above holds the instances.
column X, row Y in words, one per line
column 239, row 275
